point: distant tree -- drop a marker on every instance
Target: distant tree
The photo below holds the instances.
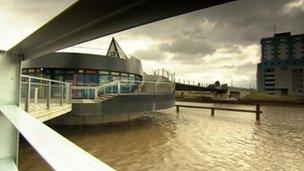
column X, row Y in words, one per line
column 224, row 87
column 217, row 84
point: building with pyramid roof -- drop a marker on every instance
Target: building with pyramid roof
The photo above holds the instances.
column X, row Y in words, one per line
column 124, row 91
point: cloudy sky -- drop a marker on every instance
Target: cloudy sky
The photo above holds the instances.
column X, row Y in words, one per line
column 219, row 43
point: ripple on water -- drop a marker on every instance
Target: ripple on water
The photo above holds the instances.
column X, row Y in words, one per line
column 193, row 141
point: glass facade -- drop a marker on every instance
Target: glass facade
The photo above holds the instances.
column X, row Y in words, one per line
column 87, row 77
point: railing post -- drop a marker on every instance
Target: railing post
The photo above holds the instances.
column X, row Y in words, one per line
column 177, row 109
column 28, row 95
column 48, row 98
column 36, row 95
column 139, row 88
column 130, row 88
column 71, row 93
column 154, row 87
column 67, row 95
column 174, row 77
column 61, row 94
column 257, row 112
column 118, row 87
column 96, row 93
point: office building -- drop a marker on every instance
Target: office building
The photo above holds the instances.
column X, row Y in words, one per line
column 281, row 67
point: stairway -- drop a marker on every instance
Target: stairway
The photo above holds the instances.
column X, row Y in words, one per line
column 147, row 87
column 105, row 97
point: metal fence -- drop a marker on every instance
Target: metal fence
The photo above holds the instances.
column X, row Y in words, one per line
column 135, row 87
column 165, row 73
column 41, row 93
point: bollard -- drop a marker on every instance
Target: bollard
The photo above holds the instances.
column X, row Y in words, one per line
column 36, row 95
column 212, row 112
column 177, row 109
column 257, row 112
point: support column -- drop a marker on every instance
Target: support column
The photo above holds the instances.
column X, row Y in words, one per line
column 212, row 112
column 61, row 94
column 257, row 112
column 9, row 95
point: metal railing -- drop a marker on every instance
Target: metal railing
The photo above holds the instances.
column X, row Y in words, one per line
column 165, row 73
column 41, row 93
column 122, row 87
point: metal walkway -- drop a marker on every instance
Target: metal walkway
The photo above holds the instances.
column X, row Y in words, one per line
column 44, row 99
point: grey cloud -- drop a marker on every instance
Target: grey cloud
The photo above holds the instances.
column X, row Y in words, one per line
column 188, row 46
column 191, row 59
column 242, row 22
column 153, row 53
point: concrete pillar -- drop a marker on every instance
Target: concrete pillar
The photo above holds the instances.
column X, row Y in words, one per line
column 9, row 95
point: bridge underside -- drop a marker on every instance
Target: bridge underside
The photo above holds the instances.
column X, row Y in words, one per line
column 88, row 20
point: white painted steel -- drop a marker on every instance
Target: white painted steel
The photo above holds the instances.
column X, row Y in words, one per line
column 57, row 151
column 165, row 73
column 36, row 95
column 8, row 165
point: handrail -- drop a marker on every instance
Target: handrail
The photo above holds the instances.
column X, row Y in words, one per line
column 57, row 151
column 43, row 79
column 165, row 73
column 47, row 90
column 138, row 85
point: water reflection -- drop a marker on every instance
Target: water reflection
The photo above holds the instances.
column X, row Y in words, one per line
column 193, row 141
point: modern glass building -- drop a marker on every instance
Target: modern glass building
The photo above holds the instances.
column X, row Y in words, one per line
column 282, row 64
column 87, row 69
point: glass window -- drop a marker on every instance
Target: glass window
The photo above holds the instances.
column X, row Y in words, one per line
column 114, row 73
column 91, row 71
column 31, row 70
column 124, row 74
column 104, row 72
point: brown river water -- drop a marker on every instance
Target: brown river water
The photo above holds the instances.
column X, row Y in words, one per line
column 192, row 141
